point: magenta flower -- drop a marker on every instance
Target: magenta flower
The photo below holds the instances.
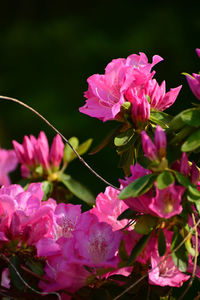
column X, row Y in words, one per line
column 198, row 52
column 167, row 202
column 34, row 152
column 194, row 84
column 108, row 208
column 159, row 99
column 106, row 93
column 157, row 150
column 8, row 163
column 194, row 81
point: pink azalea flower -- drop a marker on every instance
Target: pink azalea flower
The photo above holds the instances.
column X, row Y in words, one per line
column 164, row 272
column 34, row 152
column 159, row 99
column 109, row 207
column 194, row 84
column 60, row 274
column 106, row 93
column 8, row 163
column 98, row 247
column 65, row 221
column 23, row 214
column 141, row 203
column 194, row 81
column 167, row 202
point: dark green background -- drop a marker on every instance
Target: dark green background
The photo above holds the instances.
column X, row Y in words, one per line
column 49, row 48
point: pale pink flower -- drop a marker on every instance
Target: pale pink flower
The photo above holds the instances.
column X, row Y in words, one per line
column 109, row 207
column 8, row 163
column 167, row 202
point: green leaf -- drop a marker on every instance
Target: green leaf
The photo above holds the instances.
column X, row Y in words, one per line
column 161, row 243
column 79, row 190
column 82, row 148
column 160, row 118
column 47, row 188
column 122, row 251
column 192, row 142
column 145, row 224
column 191, row 117
column 164, row 179
column 180, row 257
column 124, row 138
column 138, row 187
column 194, row 191
column 138, row 248
column 15, row 279
column 68, row 152
column 176, row 123
column 182, row 179
column 127, row 214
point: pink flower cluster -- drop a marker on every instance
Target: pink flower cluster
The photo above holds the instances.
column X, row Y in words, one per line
column 127, row 80
column 194, row 81
column 35, row 152
column 67, row 238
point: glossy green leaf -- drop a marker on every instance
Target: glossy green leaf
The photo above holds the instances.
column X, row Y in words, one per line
column 138, row 187
column 191, row 117
column 160, row 118
column 47, row 188
column 164, row 179
column 127, row 214
column 176, row 123
column 79, row 190
column 138, row 248
column 145, row 224
column 194, row 191
column 68, row 152
column 192, row 142
column 124, row 138
column 180, row 257
column 182, row 179
column 161, row 243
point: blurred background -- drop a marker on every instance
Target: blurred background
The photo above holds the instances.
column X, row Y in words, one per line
column 48, row 49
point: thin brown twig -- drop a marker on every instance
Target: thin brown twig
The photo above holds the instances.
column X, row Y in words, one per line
column 63, row 137
column 144, row 276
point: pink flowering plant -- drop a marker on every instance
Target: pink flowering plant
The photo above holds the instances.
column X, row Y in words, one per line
column 139, row 240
